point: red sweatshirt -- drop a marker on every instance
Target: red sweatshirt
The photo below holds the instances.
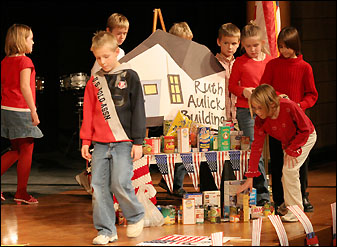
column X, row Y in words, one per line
column 292, row 127
column 293, row 77
column 246, row 72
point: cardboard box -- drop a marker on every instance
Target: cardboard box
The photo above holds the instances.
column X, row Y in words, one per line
column 224, row 138
column 197, row 197
column 211, row 198
column 204, row 139
column 188, row 211
column 230, row 198
column 236, row 140
column 183, row 139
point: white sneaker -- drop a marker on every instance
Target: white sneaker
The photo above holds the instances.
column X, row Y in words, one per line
column 102, row 239
column 134, row 230
column 289, row 217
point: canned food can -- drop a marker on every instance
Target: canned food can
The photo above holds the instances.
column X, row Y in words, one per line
column 169, row 214
column 215, row 214
column 199, row 215
column 121, row 218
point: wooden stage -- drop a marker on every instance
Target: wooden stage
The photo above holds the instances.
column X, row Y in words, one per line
column 65, row 219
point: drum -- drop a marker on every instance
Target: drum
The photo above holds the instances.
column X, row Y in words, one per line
column 65, row 82
column 39, row 83
column 78, row 80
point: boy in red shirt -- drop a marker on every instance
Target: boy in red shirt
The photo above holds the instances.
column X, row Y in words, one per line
column 114, row 122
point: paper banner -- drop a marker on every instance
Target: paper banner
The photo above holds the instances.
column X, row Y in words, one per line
column 215, row 161
column 312, row 239
column 281, row 232
column 191, row 163
column 165, row 163
column 239, row 161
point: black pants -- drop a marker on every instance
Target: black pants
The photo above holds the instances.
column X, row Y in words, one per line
column 276, row 159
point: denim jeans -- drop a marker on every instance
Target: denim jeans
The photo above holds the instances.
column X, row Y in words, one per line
column 179, row 175
column 111, row 171
column 246, row 124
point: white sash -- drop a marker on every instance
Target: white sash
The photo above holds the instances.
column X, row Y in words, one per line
column 107, row 105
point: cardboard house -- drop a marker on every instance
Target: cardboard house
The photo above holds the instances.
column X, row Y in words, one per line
column 179, row 74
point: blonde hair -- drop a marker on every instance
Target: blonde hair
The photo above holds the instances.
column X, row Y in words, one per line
column 264, row 95
column 16, row 39
column 102, row 38
column 229, row 30
column 182, row 30
column 252, row 30
column 117, row 20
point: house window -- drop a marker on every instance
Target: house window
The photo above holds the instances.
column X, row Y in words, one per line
column 174, row 86
column 150, row 89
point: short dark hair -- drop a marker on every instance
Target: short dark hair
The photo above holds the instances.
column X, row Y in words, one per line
column 291, row 38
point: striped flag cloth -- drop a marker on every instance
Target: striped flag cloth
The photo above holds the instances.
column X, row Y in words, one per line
column 165, row 163
column 191, row 162
column 281, row 232
column 267, row 16
column 239, row 161
column 256, row 232
column 215, row 161
column 333, row 212
column 178, row 240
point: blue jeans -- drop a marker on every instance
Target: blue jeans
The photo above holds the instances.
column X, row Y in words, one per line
column 246, row 124
column 111, row 171
column 179, row 175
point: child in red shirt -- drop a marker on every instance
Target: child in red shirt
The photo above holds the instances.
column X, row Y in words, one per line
column 291, row 76
column 246, row 74
column 19, row 118
column 284, row 120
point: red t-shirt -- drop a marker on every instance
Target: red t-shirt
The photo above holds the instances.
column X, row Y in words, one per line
column 246, row 72
column 292, row 127
column 11, row 67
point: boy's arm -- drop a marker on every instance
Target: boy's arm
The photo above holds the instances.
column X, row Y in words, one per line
column 138, row 118
column 234, row 80
column 86, row 131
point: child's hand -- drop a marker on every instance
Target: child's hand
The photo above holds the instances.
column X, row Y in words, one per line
column 247, row 185
column 247, row 92
column 290, row 161
column 85, row 152
column 35, row 118
column 284, row 96
column 136, row 152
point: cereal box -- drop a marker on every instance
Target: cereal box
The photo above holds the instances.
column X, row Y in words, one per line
column 204, row 139
column 183, row 140
column 188, row 211
column 224, row 138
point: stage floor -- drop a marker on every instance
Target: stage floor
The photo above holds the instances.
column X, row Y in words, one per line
column 63, row 216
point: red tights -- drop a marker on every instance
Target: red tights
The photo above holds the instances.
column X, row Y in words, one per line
column 21, row 151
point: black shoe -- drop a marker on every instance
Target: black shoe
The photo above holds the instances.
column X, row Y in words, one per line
column 307, row 205
column 162, row 184
column 262, row 202
column 180, row 192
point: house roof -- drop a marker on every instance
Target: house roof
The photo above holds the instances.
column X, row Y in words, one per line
column 195, row 59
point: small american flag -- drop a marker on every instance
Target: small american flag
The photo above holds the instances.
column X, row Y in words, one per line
column 215, row 161
column 165, row 163
column 239, row 161
column 192, row 165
